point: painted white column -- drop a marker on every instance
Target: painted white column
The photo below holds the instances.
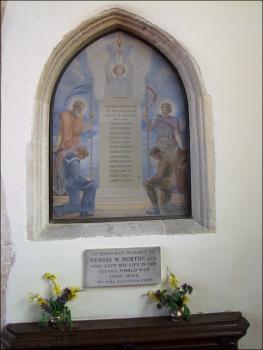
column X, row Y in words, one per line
column 120, row 149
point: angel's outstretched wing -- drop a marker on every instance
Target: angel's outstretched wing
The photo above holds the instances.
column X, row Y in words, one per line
column 140, row 59
column 97, row 59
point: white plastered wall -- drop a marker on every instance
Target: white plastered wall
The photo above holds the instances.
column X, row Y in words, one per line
column 224, row 268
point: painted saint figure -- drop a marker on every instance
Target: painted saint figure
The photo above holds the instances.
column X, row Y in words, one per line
column 169, row 140
column 161, row 180
column 74, row 183
column 71, row 127
column 169, row 137
column 69, row 138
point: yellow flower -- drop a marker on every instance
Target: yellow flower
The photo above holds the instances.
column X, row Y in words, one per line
column 32, row 296
column 52, row 278
column 38, row 299
column 49, row 276
column 57, row 288
column 41, row 301
column 173, row 281
column 152, row 295
column 185, row 299
column 73, row 293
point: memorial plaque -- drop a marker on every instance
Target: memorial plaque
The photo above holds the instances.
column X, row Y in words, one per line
column 122, row 266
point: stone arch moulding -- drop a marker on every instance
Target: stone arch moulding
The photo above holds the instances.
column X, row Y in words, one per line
column 200, row 124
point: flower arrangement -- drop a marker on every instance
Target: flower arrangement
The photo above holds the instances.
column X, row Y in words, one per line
column 175, row 298
column 55, row 312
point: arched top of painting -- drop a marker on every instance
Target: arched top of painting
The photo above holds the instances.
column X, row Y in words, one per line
column 107, row 23
column 117, row 64
column 120, row 40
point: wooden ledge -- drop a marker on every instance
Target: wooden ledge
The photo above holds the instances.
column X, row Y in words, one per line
column 202, row 331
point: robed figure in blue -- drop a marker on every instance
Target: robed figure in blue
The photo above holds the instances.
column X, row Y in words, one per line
column 74, row 184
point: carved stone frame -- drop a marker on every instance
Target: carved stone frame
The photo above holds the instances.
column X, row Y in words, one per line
column 200, row 124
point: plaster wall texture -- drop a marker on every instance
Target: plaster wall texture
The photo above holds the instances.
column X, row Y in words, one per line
column 224, row 268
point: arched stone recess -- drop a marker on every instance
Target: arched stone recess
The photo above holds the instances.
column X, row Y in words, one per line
column 200, row 124
column 7, row 254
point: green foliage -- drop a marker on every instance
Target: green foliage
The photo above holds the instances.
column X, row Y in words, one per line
column 174, row 298
column 44, row 319
column 186, row 312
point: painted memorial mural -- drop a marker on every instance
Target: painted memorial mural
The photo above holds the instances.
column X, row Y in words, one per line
column 119, row 135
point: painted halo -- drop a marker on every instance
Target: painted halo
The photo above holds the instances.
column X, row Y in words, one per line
column 171, row 103
column 76, row 98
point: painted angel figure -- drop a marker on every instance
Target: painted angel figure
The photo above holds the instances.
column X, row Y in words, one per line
column 118, row 74
column 119, row 64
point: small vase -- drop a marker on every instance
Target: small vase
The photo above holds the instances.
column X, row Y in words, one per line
column 176, row 315
column 54, row 321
